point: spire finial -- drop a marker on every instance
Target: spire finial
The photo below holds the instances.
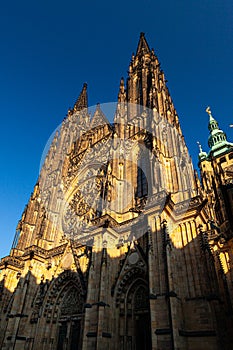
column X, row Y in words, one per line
column 208, row 111
column 202, row 155
column 143, row 46
column 213, row 124
column 122, row 85
column 200, row 147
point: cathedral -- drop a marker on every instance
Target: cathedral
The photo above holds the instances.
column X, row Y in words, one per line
column 122, row 245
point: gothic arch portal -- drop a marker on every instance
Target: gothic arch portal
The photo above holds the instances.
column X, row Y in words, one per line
column 135, row 327
column 132, row 300
column 63, row 308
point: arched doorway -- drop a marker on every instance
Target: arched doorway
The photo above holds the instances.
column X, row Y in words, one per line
column 70, row 320
column 58, row 311
column 141, row 316
column 135, row 325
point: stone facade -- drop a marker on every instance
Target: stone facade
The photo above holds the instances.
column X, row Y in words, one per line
column 120, row 245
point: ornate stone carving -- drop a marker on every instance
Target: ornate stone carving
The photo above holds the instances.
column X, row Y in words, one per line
column 72, row 303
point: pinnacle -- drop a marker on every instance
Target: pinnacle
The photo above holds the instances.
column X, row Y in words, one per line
column 122, row 85
column 81, row 102
column 122, row 94
column 202, row 155
column 143, row 46
column 99, row 119
column 200, row 147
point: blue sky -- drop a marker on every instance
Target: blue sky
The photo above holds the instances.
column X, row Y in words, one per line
column 49, row 48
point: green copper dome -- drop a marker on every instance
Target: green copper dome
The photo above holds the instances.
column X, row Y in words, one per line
column 217, row 139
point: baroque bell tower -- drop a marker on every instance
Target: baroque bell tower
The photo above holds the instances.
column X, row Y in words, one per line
column 113, row 249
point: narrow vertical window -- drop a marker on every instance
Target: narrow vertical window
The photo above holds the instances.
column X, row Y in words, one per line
column 142, row 183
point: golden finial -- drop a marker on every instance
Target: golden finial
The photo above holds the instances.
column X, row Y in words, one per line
column 208, row 111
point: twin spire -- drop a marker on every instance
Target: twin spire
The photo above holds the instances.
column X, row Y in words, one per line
column 217, row 140
column 81, row 103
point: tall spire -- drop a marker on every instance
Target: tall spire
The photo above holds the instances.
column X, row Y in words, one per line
column 146, row 85
column 140, row 74
column 143, row 46
column 81, row 102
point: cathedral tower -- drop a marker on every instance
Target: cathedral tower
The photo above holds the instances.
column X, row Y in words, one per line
column 114, row 249
column 216, row 170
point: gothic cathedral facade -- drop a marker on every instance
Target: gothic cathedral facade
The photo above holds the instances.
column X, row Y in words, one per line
column 120, row 245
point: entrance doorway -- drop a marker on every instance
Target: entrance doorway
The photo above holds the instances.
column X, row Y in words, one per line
column 69, row 335
column 135, row 325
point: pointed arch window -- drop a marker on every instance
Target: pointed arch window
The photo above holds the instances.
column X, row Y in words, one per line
column 142, row 183
column 141, row 299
